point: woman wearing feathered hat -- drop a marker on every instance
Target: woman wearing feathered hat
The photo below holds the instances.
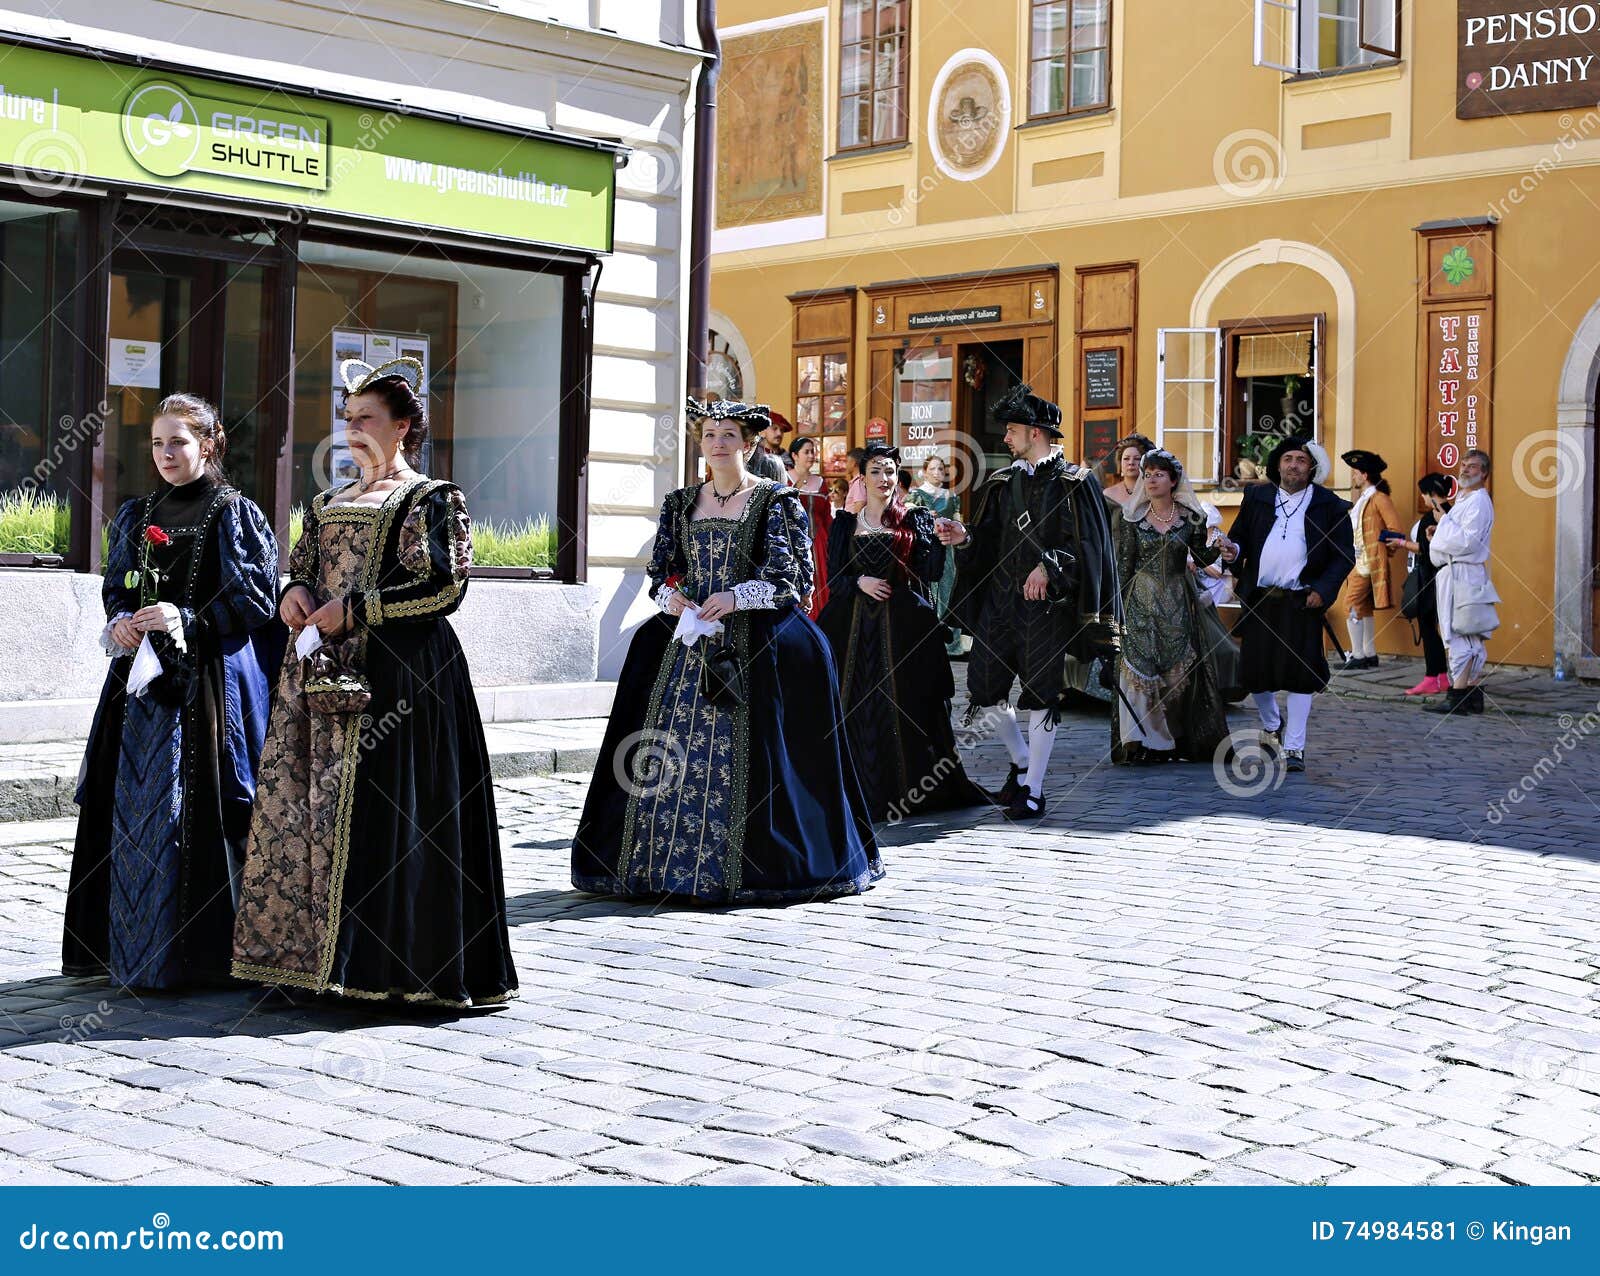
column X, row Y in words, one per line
column 724, row 775
column 1295, row 550
column 894, row 675
column 1377, row 533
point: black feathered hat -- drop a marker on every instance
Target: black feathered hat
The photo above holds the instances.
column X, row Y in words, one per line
column 1022, row 406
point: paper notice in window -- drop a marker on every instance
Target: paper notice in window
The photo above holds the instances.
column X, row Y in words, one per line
column 133, row 362
column 381, row 347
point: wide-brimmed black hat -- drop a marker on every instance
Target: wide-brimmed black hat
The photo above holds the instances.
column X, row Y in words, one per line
column 753, row 415
column 1022, row 406
column 1369, row 463
column 1319, row 458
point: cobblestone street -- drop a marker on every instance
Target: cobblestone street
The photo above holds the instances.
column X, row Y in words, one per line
column 1367, row 974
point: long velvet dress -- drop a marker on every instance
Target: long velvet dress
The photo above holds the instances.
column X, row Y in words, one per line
column 753, row 803
column 1163, row 672
column 819, row 514
column 169, row 776
column 374, row 861
column 894, row 674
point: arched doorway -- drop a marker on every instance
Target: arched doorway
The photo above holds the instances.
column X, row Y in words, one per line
column 1577, row 492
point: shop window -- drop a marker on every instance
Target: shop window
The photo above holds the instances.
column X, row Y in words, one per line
column 1326, row 35
column 42, row 441
column 1069, row 57
column 491, row 339
column 874, row 64
column 924, row 405
column 1271, row 389
column 822, row 403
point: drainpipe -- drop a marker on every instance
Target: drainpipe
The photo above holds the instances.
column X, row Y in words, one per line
column 705, row 168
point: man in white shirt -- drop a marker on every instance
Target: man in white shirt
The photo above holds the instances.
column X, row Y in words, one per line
column 1459, row 548
column 1295, row 550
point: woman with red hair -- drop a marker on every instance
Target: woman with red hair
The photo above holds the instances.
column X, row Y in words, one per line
column 889, row 646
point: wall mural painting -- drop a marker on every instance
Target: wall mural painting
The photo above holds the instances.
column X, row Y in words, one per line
column 769, row 126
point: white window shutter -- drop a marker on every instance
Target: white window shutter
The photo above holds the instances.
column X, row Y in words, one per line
column 1272, row 17
column 1189, row 398
column 1378, row 27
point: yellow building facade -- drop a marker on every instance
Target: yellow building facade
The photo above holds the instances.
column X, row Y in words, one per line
column 1210, row 222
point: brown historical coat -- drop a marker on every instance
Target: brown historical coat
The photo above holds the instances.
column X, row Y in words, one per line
column 1379, row 514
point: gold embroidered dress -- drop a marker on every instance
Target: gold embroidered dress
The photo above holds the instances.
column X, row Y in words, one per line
column 373, row 867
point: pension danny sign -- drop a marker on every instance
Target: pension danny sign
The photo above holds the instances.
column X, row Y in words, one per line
column 1514, row 56
column 64, row 119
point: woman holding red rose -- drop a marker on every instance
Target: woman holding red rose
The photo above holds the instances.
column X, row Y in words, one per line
column 168, row 782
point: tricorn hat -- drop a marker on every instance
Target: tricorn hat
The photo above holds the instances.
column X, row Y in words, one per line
column 1021, row 406
column 1369, row 463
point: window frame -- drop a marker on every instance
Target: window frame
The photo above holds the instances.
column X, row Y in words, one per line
column 901, row 87
column 1033, row 60
column 1365, row 19
column 1228, row 427
column 1216, row 381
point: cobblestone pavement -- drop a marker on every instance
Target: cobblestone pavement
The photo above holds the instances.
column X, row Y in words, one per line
column 1366, row 974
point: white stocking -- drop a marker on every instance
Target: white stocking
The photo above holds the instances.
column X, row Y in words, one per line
column 1267, row 707
column 1009, row 734
column 1299, row 716
column 1041, row 740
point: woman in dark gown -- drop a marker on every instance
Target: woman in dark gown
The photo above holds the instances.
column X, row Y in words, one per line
column 374, row 863
column 889, row 647
column 170, row 773
column 1169, row 706
column 723, row 776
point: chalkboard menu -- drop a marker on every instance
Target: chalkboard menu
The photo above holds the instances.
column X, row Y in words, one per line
column 1102, row 378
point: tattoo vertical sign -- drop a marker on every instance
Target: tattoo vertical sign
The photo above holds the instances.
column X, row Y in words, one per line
column 1455, row 342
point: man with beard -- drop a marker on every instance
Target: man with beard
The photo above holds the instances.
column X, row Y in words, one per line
column 1296, row 547
column 1035, row 581
column 1459, row 548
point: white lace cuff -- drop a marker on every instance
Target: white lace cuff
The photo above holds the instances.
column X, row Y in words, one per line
column 107, row 645
column 755, row 595
column 663, row 596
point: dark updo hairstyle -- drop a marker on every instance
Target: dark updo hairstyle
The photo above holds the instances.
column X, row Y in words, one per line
column 202, row 418
column 396, row 394
column 1164, row 461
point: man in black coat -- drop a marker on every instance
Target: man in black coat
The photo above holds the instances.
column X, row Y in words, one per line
column 1035, row 580
column 1295, row 550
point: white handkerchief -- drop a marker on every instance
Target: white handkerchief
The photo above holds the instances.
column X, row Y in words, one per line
column 146, row 668
column 309, row 640
column 691, row 628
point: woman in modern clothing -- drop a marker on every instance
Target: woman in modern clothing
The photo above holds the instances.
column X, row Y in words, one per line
column 374, row 864
column 932, row 495
column 812, row 489
column 1422, row 602
column 171, row 769
column 724, row 775
column 894, row 675
column 1169, row 705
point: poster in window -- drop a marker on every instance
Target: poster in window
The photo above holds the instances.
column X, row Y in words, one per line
column 805, row 415
column 381, row 347
column 347, row 345
column 835, row 452
column 1099, row 437
column 134, row 363
column 417, row 348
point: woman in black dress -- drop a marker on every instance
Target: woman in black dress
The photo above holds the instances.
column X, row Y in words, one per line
column 171, row 768
column 374, row 862
column 889, row 646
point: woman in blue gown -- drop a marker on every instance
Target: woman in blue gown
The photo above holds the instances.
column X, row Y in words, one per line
column 170, row 773
column 724, row 776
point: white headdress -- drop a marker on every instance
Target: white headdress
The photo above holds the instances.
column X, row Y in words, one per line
column 357, row 374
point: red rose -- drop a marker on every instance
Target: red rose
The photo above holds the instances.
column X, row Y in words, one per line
column 156, row 536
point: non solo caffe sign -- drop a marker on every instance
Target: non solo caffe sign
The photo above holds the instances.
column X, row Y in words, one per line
column 64, row 119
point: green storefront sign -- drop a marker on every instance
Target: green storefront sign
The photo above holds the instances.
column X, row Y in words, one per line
column 64, row 118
